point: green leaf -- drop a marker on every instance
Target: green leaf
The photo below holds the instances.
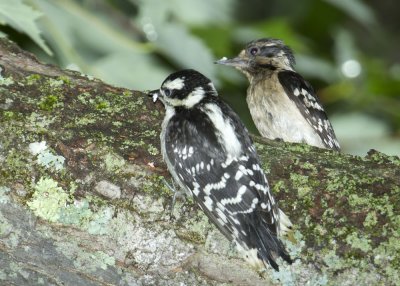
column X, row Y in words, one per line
column 185, row 49
column 311, row 66
column 192, row 12
column 173, row 39
column 22, row 18
column 80, row 37
column 132, row 70
column 355, row 9
column 204, row 12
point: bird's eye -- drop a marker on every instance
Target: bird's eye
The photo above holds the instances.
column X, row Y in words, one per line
column 167, row 92
column 254, row 51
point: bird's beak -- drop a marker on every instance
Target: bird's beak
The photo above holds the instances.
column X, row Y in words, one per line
column 154, row 94
column 237, row 62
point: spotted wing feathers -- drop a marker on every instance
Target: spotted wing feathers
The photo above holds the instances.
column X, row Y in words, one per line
column 232, row 191
column 302, row 93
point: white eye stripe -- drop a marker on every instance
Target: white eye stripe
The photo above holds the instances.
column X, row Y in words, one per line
column 177, row 83
column 194, row 97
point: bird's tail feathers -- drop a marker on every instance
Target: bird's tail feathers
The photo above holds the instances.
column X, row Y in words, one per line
column 285, row 225
column 263, row 248
column 271, row 247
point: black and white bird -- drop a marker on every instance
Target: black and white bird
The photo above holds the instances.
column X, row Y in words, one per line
column 282, row 104
column 209, row 153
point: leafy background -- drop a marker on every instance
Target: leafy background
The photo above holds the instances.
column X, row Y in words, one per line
column 347, row 49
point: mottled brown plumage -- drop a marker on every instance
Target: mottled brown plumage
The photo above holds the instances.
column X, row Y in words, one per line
column 282, row 104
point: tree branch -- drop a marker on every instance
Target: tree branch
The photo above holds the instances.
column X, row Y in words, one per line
column 84, row 200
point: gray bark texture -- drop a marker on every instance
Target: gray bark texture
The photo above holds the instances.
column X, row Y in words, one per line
column 84, row 197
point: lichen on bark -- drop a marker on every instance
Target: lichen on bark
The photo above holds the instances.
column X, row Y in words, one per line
column 97, row 202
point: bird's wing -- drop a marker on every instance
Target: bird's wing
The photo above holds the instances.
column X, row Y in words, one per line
column 302, row 93
column 233, row 192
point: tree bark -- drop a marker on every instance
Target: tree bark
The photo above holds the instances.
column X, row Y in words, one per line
column 84, row 196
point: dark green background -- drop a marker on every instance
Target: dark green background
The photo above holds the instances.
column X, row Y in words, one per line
column 136, row 44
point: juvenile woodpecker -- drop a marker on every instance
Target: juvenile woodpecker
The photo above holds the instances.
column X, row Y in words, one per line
column 209, row 153
column 282, row 104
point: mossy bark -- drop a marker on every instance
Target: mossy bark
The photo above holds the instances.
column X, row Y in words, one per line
column 84, row 197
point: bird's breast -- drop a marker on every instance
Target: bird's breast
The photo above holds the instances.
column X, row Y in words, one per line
column 276, row 115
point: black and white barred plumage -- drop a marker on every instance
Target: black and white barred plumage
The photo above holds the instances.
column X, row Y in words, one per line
column 209, row 152
column 282, row 104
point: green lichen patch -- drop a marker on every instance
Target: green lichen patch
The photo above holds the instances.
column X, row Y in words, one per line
column 49, row 103
column 347, row 217
column 196, row 230
column 108, row 117
column 51, row 202
column 100, row 220
column 65, row 114
column 346, row 212
column 379, row 157
column 113, row 163
column 8, row 115
column 48, row 160
column 48, row 199
column 336, row 216
column 120, row 119
column 158, row 186
column 16, row 166
column 75, row 212
column 58, row 82
column 87, row 261
column 301, row 148
column 6, row 81
column 3, row 194
column 32, row 79
column 302, row 183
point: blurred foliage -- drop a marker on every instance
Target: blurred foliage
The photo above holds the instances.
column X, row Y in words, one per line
column 347, row 49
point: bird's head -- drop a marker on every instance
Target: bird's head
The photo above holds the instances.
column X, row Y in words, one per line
column 262, row 54
column 184, row 88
